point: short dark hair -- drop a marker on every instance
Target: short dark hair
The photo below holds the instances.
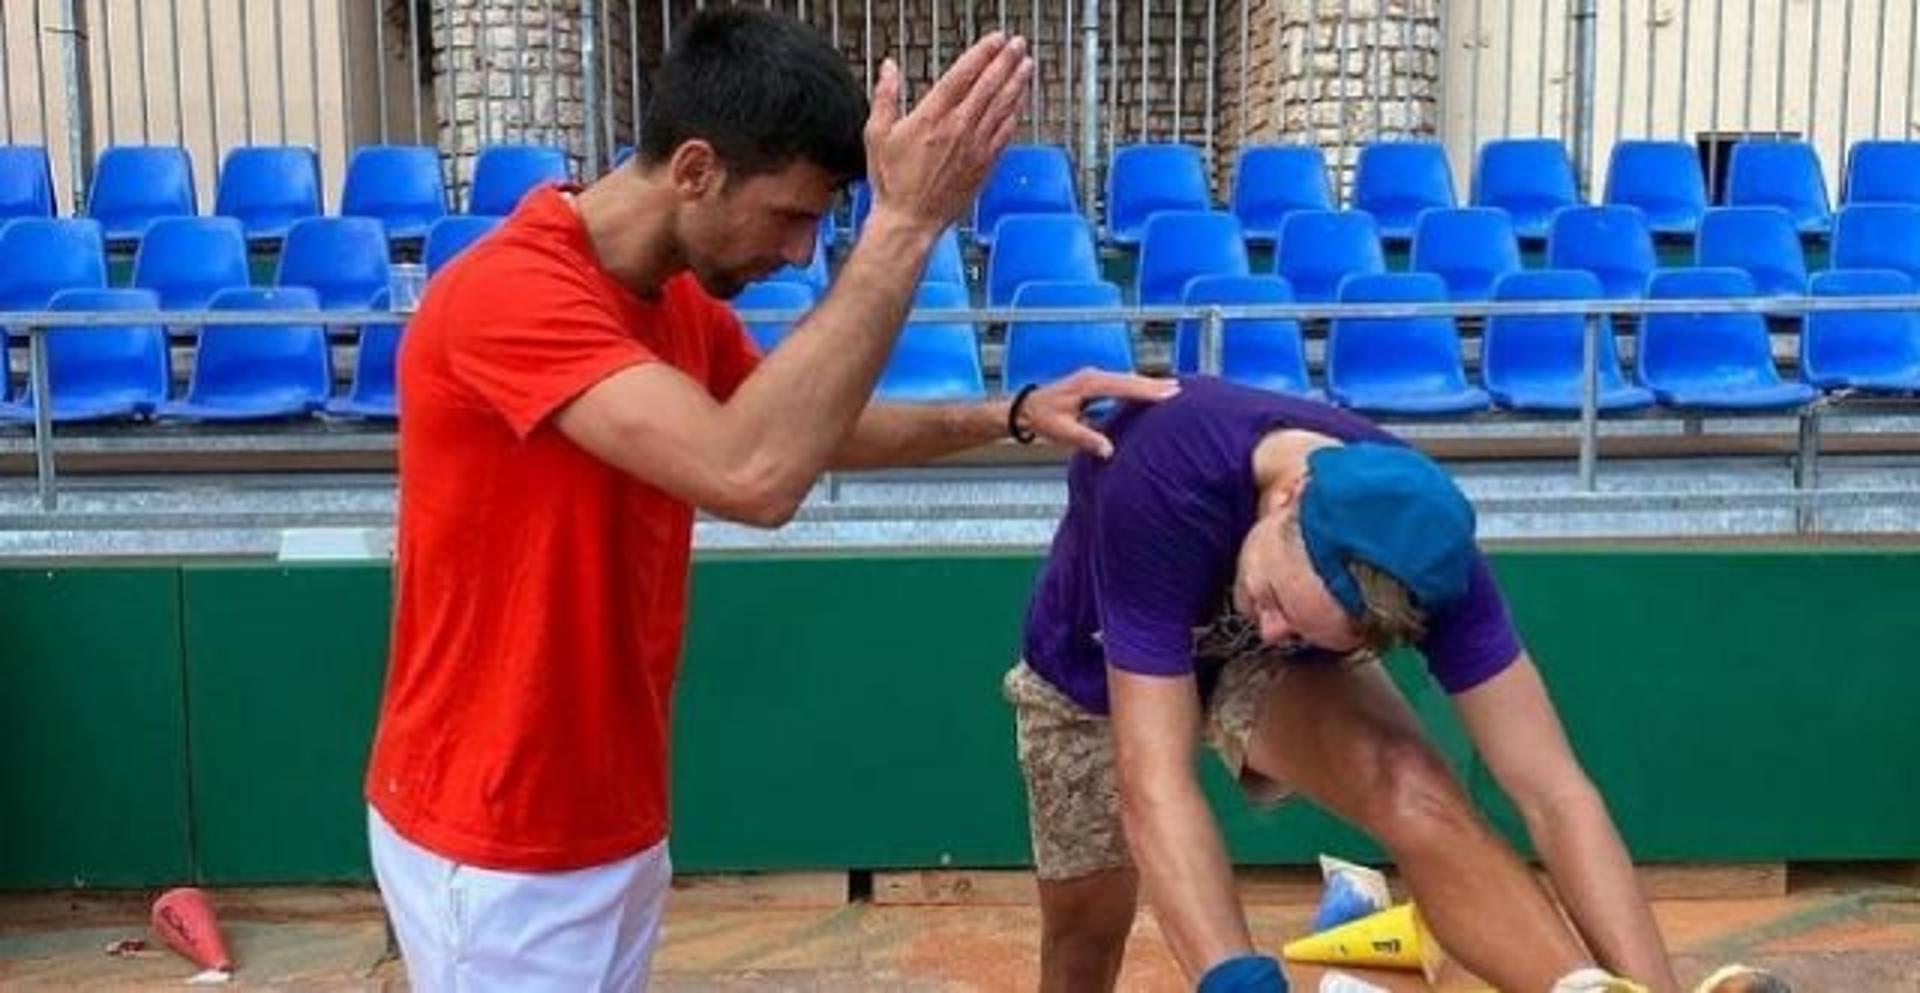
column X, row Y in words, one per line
column 763, row 89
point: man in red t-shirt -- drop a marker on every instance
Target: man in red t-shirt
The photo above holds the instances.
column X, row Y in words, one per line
column 571, row 392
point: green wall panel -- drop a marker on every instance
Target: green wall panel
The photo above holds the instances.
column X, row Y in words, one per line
column 284, row 667
column 94, row 771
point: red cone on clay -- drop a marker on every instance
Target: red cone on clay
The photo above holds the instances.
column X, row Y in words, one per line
column 183, row 918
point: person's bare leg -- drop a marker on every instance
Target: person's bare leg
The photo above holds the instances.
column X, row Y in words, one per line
column 1348, row 739
column 1084, row 923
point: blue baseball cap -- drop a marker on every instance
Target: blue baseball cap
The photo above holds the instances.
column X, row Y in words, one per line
column 1394, row 509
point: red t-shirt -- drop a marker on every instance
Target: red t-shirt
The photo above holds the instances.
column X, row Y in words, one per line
column 540, row 593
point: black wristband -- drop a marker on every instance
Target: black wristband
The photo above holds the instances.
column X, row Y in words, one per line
column 1013, row 415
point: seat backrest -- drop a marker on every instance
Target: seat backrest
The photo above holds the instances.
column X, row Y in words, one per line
column 1181, row 244
column 135, row 184
column 1878, row 236
column 26, row 182
column 1272, row 181
column 1662, row 178
column 237, row 359
column 1783, row 174
column 1027, row 179
column 1524, row 175
column 40, row 256
column 946, row 263
column 1319, row 248
column 1032, row 247
column 1724, row 349
column 120, row 357
column 1376, row 352
column 1396, row 180
column 813, row 274
column 1044, row 351
column 1840, row 345
column 342, row 259
column 1764, row 241
column 935, row 361
column 268, row 187
column 1252, row 349
column 1612, row 242
column 452, row 235
column 502, row 174
column 1548, row 349
column 1883, row 172
column 186, row 260
column 1145, row 179
column 777, row 296
column 397, row 184
column 1469, row 247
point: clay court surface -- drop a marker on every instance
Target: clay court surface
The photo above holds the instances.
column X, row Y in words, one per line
column 1854, row 929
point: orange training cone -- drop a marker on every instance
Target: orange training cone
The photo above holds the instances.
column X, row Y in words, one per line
column 1385, row 940
column 183, row 918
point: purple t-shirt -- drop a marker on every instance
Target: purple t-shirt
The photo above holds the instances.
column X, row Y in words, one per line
column 1141, row 570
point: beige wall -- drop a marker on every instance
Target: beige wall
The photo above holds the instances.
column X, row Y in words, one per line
column 1669, row 48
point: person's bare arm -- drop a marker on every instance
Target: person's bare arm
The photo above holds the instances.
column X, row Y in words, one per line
column 1171, row 831
column 1512, row 722
column 909, row 434
column 753, row 458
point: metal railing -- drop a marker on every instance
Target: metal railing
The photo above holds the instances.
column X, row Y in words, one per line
column 78, row 75
column 1212, row 318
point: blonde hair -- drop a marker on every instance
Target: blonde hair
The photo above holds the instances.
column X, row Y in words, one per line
column 1388, row 617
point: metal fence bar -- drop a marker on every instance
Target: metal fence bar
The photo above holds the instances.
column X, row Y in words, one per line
column 79, row 96
column 1246, row 58
column 1686, row 64
column 1653, row 64
column 589, row 65
column 866, row 42
column 1746, row 102
column 1310, row 54
column 413, row 69
column 313, row 81
column 1592, row 328
column 1212, row 335
column 1146, row 74
column 1090, row 104
column 1913, row 69
column 1586, row 74
column 1713, row 112
column 1213, row 72
column 106, row 64
column 900, row 52
column 1540, row 82
column 246, row 77
column 933, row 38
column 483, row 44
column 1473, row 89
column 1779, row 78
column 6, row 78
column 1179, row 70
column 1620, row 79
column 43, row 466
column 347, row 78
column 633, row 70
column 554, row 135
column 1069, row 121
column 1813, row 76
column 1846, row 73
column 1113, row 85
column 1378, row 78
column 1506, row 82
column 179, row 71
column 280, row 69
column 40, row 74
column 380, row 66
column 1879, row 66
column 1340, row 104
column 140, row 70
column 1410, row 112
column 607, row 95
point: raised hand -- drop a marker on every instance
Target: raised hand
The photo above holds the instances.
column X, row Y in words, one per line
column 925, row 167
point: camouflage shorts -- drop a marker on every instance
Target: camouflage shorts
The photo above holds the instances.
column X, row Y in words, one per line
column 1066, row 754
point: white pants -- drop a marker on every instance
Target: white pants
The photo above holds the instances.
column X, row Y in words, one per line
column 464, row 929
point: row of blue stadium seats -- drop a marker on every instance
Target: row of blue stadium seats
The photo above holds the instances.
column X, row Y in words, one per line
column 1395, row 366
column 1468, row 247
column 186, row 261
column 269, row 188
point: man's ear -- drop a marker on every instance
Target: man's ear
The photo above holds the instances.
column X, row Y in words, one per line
column 695, row 169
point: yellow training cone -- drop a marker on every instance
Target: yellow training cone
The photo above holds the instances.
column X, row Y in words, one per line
column 1386, row 940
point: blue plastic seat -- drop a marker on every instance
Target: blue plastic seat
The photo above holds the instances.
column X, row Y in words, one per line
column 1762, row 241
column 502, row 174
column 946, row 263
column 1398, row 365
column 1272, row 181
column 26, row 182
column 621, row 153
column 1538, row 362
column 374, row 392
column 1529, row 178
column 342, row 259
column 778, row 296
column 1146, row 179
column 1039, row 247
column 1469, row 247
column 813, row 274
column 1319, row 248
column 397, row 185
column 1262, row 352
column 1883, row 172
column 935, row 362
column 102, row 373
column 1878, row 236
column 134, row 185
column 268, row 187
column 258, row 372
column 861, row 196
column 1711, row 361
column 1396, row 180
column 1045, row 351
column 1028, row 179
column 1876, row 351
column 186, row 260
column 1612, row 242
column 451, row 235
column 40, row 256
column 1181, row 244
column 1784, row 174
column 1663, row 179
